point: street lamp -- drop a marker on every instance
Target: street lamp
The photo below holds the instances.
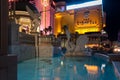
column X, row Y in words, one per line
column 45, row 4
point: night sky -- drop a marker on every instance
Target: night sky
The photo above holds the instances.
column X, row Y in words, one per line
column 112, row 9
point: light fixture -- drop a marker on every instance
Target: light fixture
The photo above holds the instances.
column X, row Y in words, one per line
column 45, row 4
column 86, row 4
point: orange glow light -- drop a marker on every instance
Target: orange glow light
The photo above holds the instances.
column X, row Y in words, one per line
column 92, row 69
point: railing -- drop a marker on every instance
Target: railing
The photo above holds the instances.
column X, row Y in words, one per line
column 30, row 39
column 50, row 39
column 26, row 38
column 45, row 39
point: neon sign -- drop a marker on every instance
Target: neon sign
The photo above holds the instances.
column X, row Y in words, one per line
column 86, row 4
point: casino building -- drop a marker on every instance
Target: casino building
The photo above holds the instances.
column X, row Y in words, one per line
column 81, row 18
column 46, row 9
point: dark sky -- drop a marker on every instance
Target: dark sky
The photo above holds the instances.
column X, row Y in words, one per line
column 112, row 9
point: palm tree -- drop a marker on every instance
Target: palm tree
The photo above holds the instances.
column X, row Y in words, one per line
column 46, row 30
column 50, row 29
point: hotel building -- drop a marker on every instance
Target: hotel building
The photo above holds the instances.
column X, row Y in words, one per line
column 81, row 18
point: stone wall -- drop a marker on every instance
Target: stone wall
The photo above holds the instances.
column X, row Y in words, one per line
column 45, row 50
column 23, row 51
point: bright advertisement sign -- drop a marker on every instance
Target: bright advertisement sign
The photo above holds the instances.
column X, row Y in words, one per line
column 88, row 19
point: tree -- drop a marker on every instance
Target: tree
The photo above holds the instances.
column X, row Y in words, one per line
column 50, row 29
column 46, row 30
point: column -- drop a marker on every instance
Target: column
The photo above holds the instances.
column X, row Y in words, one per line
column 3, row 27
column 8, row 63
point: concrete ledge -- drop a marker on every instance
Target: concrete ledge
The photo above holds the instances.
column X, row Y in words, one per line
column 23, row 51
column 116, row 65
column 45, row 50
column 114, row 57
column 102, row 56
column 75, row 54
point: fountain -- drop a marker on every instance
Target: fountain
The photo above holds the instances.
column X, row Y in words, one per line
column 77, row 49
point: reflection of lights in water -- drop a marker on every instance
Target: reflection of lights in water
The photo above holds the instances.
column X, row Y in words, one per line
column 42, row 78
column 102, row 67
column 86, row 46
column 58, row 70
column 91, row 69
column 56, row 78
column 75, row 69
column 61, row 62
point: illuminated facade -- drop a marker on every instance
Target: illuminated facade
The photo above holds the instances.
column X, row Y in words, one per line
column 81, row 18
column 47, row 10
column 88, row 19
column 24, row 21
column 45, row 7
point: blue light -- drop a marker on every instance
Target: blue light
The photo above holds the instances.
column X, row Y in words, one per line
column 86, row 4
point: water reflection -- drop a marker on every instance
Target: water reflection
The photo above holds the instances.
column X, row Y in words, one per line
column 91, row 69
column 65, row 69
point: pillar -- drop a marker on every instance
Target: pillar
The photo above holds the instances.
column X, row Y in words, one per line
column 3, row 27
column 8, row 63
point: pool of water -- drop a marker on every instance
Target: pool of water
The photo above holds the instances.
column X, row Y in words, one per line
column 68, row 68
